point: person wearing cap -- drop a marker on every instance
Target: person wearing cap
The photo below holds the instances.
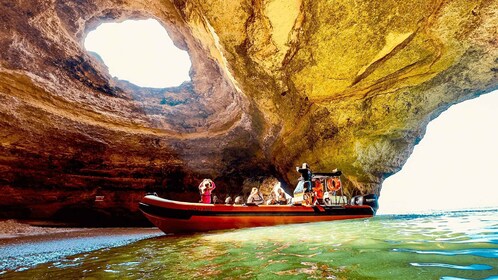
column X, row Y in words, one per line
column 306, row 175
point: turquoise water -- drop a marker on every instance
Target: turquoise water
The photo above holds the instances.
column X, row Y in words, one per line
column 454, row 245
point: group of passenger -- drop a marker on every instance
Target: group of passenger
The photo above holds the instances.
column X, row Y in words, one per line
column 314, row 191
column 278, row 197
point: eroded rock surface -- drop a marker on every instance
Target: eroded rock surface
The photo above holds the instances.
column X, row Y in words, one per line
column 343, row 84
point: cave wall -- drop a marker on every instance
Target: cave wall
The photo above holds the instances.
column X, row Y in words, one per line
column 336, row 84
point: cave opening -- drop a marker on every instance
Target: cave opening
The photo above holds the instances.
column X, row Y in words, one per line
column 141, row 52
column 454, row 165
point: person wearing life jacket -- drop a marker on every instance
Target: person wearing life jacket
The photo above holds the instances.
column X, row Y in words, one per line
column 206, row 187
column 318, row 192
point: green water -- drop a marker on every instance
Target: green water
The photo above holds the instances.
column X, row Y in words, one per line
column 454, row 245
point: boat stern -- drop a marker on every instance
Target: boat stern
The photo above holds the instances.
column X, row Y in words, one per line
column 371, row 200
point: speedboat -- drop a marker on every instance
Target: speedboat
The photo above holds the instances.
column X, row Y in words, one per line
column 176, row 217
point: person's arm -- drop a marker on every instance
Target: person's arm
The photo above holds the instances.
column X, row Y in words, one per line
column 261, row 198
column 305, row 173
column 202, row 188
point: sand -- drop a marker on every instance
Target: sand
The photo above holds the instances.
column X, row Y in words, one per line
column 15, row 229
column 23, row 246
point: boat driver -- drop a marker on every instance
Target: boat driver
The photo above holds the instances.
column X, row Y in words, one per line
column 306, row 175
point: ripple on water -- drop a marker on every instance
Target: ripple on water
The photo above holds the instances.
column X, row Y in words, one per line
column 493, row 277
column 485, row 253
column 453, row 266
column 420, row 247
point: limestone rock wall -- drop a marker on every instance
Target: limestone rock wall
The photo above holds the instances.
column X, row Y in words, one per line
column 275, row 83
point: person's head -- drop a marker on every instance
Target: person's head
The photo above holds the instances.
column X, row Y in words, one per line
column 254, row 190
column 238, row 200
column 305, row 166
column 280, row 191
column 207, row 183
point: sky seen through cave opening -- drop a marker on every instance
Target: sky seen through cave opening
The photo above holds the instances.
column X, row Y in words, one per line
column 141, row 52
column 453, row 167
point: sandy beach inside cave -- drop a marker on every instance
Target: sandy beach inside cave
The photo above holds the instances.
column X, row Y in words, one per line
column 24, row 245
column 11, row 229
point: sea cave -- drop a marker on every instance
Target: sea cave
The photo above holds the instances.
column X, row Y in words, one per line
column 273, row 84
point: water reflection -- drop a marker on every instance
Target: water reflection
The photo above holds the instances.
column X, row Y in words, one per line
column 389, row 247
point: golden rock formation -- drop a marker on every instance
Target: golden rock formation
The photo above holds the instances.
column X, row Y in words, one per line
column 347, row 84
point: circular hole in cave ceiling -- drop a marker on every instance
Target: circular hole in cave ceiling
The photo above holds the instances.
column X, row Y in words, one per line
column 141, row 52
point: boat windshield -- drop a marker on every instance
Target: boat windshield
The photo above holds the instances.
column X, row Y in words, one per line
column 300, row 187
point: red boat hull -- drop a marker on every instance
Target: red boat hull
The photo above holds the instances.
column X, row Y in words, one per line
column 173, row 216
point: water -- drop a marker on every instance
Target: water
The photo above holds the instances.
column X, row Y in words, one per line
column 454, row 245
column 28, row 251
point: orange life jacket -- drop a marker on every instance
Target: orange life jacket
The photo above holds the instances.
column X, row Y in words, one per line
column 318, row 189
